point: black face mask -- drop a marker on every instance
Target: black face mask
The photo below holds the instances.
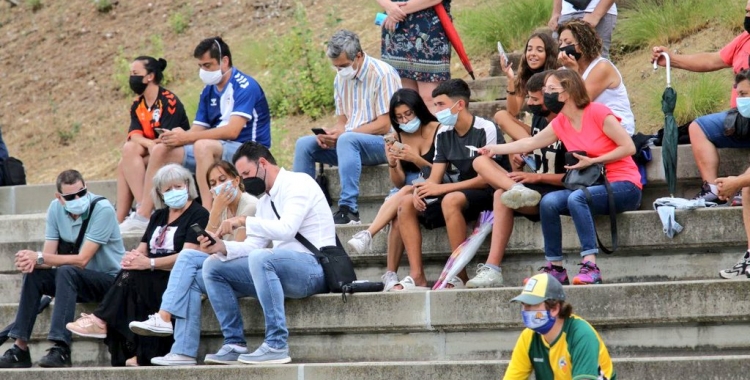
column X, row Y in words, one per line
column 747, row 24
column 137, row 85
column 552, row 102
column 255, row 186
column 571, row 51
column 538, row 110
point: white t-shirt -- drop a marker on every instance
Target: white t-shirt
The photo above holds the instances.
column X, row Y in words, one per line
column 567, row 8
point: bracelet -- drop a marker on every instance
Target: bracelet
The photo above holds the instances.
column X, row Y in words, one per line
column 509, row 92
column 153, row 264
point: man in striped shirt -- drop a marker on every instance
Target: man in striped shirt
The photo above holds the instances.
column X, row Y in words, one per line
column 362, row 89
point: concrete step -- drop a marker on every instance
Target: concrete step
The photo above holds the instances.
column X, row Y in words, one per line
column 488, row 89
column 703, row 316
column 10, row 287
column 730, row 367
column 30, row 199
column 487, row 109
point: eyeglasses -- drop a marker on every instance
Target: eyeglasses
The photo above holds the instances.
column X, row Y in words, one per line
column 69, row 197
column 406, row 115
column 549, row 89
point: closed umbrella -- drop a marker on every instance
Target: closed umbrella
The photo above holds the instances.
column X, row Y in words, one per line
column 455, row 40
column 669, row 142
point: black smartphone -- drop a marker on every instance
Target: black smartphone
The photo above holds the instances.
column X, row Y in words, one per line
column 319, row 131
column 159, row 131
column 200, row 231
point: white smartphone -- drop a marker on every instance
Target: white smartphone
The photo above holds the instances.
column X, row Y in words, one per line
column 502, row 52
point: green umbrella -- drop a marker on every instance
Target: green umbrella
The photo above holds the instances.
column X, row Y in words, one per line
column 669, row 142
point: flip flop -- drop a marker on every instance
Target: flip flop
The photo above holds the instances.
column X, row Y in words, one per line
column 457, row 283
column 408, row 285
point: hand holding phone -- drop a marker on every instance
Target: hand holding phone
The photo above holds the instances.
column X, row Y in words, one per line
column 398, row 145
column 159, row 131
column 389, row 139
column 200, row 231
column 319, row 131
column 501, row 51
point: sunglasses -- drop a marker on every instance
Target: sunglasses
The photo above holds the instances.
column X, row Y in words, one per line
column 69, row 197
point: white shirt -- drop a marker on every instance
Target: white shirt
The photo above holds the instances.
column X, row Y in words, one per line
column 302, row 207
column 615, row 98
column 567, row 8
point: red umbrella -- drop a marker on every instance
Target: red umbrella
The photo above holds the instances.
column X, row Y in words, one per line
column 452, row 34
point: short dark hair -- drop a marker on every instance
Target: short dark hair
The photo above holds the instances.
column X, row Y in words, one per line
column 572, row 82
column 741, row 76
column 253, row 151
column 154, row 66
column 68, row 177
column 566, row 309
column 453, row 88
column 588, row 40
column 216, row 46
column 411, row 99
column 228, row 168
column 536, row 81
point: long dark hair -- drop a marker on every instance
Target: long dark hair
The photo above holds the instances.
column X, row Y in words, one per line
column 154, row 66
column 228, row 168
column 411, row 99
column 550, row 61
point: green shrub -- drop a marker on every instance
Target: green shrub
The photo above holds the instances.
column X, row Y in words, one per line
column 702, row 95
column 103, row 6
column 511, row 23
column 180, row 20
column 35, row 5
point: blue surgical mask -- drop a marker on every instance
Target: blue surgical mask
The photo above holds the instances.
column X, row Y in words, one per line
column 538, row 320
column 411, row 126
column 176, row 198
column 445, row 117
column 743, row 106
column 78, row 206
column 226, row 186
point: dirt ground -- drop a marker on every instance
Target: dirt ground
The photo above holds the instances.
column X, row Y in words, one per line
column 60, row 107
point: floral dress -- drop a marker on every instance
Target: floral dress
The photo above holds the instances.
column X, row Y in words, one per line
column 419, row 49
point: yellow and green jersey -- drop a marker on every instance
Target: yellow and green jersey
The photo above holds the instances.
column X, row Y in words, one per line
column 578, row 353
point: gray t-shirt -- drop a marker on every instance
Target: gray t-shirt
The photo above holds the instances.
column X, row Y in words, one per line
column 103, row 230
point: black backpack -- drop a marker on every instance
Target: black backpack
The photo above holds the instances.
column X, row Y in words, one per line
column 12, row 172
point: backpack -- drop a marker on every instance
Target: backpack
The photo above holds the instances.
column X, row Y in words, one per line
column 12, row 172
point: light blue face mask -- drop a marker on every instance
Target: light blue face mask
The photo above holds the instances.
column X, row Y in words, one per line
column 445, row 117
column 176, row 198
column 743, row 106
column 411, row 126
column 78, row 206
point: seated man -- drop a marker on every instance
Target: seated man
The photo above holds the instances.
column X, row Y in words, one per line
column 362, row 89
column 436, row 204
column 707, row 132
column 67, row 270
column 232, row 110
column 556, row 344
column 519, row 190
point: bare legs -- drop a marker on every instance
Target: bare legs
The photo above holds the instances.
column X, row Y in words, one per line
column 424, row 89
column 130, row 177
column 705, row 153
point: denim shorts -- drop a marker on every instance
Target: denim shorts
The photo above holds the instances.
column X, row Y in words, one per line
column 713, row 127
column 228, row 149
column 410, row 176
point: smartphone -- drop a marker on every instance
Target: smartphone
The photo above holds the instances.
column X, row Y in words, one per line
column 319, row 131
column 530, row 161
column 200, row 231
column 398, row 145
column 502, row 52
column 389, row 139
column 421, row 179
column 159, row 131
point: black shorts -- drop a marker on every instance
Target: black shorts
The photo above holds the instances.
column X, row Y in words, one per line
column 478, row 200
column 543, row 189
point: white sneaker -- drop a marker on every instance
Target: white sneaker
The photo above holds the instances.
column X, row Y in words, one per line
column 520, row 196
column 133, row 223
column 173, row 359
column 153, row 326
column 361, row 242
column 390, row 279
column 486, row 278
column 739, row 270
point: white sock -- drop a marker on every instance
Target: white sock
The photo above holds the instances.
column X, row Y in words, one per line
column 713, row 188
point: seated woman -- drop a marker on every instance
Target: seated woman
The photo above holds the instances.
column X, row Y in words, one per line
column 415, row 130
column 183, row 294
column 145, row 270
column 580, row 50
column 155, row 109
column 594, row 129
column 540, row 55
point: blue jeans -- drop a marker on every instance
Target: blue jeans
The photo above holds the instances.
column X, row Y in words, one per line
column 182, row 299
column 573, row 203
column 228, row 150
column 273, row 274
column 353, row 150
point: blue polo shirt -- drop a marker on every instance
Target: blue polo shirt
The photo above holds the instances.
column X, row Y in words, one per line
column 241, row 96
column 103, row 230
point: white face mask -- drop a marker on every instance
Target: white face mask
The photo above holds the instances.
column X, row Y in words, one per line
column 347, row 72
column 211, row 77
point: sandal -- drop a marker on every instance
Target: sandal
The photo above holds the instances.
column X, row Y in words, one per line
column 408, row 285
column 455, row 283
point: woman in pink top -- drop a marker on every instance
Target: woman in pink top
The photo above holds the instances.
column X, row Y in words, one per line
column 593, row 128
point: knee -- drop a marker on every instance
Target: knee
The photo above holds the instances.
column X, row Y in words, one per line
column 549, row 204
column 259, row 258
column 576, row 198
column 406, row 206
column 346, row 139
column 203, row 148
column 497, row 194
column 695, row 131
column 480, row 163
column 501, row 116
column 65, row 274
column 160, row 151
column 305, row 144
column 453, row 202
column 211, row 267
column 131, row 149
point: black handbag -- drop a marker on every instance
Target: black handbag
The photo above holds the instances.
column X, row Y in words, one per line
column 68, row 248
column 338, row 268
column 581, row 179
column 579, row 5
column 736, row 125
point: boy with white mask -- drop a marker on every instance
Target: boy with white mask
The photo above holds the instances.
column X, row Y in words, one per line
column 362, row 90
column 232, row 110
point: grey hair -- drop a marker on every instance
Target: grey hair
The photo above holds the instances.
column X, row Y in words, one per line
column 170, row 174
column 344, row 41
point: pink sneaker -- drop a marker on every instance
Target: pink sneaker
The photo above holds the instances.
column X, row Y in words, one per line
column 560, row 273
column 589, row 274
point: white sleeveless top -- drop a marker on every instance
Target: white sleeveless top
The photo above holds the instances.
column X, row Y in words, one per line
column 615, row 98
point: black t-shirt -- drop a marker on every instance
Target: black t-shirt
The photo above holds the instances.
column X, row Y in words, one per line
column 410, row 167
column 451, row 148
column 167, row 112
column 164, row 240
column 551, row 159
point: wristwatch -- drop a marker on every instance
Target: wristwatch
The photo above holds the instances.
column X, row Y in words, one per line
column 153, row 264
column 39, row 258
